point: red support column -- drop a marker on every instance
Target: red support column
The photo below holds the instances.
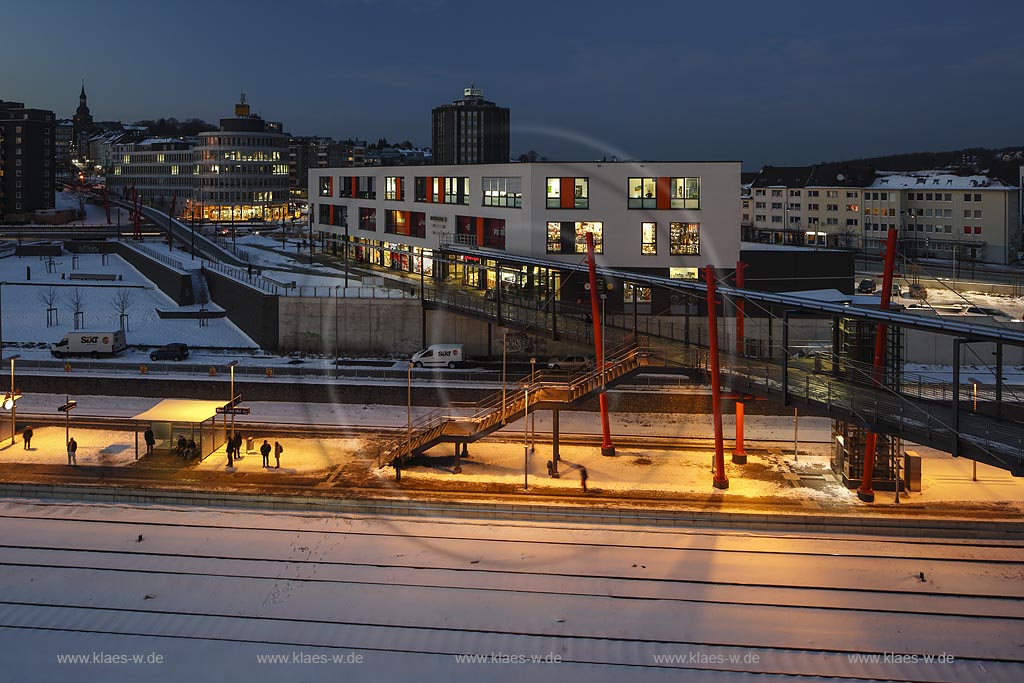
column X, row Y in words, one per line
column 595, row 313
column 720, row 480
column 865, row 492
column 739, row 455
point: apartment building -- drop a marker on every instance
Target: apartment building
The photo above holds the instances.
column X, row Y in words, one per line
column 27, row 160
column 159, row 169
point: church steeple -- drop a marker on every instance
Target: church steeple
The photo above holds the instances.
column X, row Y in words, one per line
column 82, row 115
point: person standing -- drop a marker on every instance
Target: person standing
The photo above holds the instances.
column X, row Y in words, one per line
column 149, row 439
column 231, row 452
column 583, row 478
column 278, row 450
column 265, row 452
column 72, row 452
column 26, row 437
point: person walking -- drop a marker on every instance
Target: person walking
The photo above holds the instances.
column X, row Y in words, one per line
column 265, row 452
column 72, row 452
column 26, row 437
column 231, row 452
column 583, row 478
column 149, row 439
column 278, row 450
column 238, row 444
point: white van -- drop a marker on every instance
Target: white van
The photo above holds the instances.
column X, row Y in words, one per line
column 90, row 344
column 438, row 356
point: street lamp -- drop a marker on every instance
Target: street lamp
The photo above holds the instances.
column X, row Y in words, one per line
column 533, row 418
column 11, row 400
column 408, row 407
column 231, row 401
column 974, row 463
column 504, row 354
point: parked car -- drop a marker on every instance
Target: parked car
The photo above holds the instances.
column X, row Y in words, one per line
column 170, row 352
column 866, row 286
column 567, row 362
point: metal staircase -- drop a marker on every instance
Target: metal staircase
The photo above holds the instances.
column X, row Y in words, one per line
column 541, row 390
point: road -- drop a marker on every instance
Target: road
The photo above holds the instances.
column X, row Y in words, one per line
column 200, row 594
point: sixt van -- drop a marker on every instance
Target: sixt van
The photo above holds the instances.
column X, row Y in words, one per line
column 89, row 344
column 438, row 356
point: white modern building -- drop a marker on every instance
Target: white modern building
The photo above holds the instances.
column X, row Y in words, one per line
column 159, row 169
column 663, row 218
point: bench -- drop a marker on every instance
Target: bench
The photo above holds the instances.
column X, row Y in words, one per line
column 109, row 277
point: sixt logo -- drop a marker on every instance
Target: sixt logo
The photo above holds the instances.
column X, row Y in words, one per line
column 89, row 340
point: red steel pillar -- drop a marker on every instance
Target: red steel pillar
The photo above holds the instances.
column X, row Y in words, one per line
column 865, row 492
column 595, row 313
column 739, row 455
column 720, row 480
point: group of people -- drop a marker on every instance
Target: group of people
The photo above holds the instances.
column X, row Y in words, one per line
column 234, row 449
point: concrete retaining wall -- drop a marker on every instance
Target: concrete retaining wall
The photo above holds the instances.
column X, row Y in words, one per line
column 255, row 312
column 171, row 282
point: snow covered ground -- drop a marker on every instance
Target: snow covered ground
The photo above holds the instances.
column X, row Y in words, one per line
column 25, row 314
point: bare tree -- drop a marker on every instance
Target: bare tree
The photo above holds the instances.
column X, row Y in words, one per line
column 79, row 193
column 75, row 299
column 49, row 297
column 122, row 303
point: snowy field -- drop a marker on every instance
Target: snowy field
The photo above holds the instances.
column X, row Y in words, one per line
column 126, row 593
column 25, row 313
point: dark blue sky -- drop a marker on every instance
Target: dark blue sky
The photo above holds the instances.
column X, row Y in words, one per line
column 766, row 82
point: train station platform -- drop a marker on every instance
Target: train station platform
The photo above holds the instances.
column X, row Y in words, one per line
column 658, row 464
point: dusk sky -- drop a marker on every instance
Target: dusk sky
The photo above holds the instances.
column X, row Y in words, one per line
column 764, row 82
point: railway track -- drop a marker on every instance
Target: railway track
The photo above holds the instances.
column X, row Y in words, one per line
column 619, row 602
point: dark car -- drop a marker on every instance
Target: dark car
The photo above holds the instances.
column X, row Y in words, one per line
column 170, row 352
column 866, row 286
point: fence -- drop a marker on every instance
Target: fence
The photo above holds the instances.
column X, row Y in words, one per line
column 156, row 256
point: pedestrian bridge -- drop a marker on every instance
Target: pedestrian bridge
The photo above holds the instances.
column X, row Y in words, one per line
column 925, row 411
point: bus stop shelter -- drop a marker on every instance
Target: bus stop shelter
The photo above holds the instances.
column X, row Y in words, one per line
column 175, row 417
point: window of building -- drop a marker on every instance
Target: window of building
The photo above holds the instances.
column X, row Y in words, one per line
column 776, row 206
column 776, row 193
column 812, row 193
column 635, row 294
column 776, row 219
column 759, row 193
column 977, row 229
column 831, row 207
column 368, row 219
column 408, row 223
column 760, row 218
column 812, row 207
column 494, row 233
column 358, row 187
column 759, row 205
column 794, row 193
column 852, row 207
column 329, row 214
column 977, row 213
column 649, row 238
column 643, row 193
column 851, row 221
column 928, row 196
column 506, row 192
column 793, row 206
column 684, row 193
column 968, row 197
column 832, row 193
column 947, row 197
column 568, row 237
column 684, row 238
column 977, row 197
column 456, row 190
column 851, row 195
column 568, row 193
column 394, row 188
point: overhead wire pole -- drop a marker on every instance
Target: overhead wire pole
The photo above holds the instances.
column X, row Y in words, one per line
column 739, row 455
column 720, row 480
column 866, row 493
column 607, row 448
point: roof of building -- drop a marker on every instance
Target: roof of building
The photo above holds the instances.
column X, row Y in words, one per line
column 783, row 176
column 180, row 410
column 936, row 180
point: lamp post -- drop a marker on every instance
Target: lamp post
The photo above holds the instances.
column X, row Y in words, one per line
column 504, row 353
column 2, row 318
column 533, row 418
column 526, row 448
column 231, row 401
column 974, row 463
column 604, row 356
column 408, row 408
column 11, row 402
